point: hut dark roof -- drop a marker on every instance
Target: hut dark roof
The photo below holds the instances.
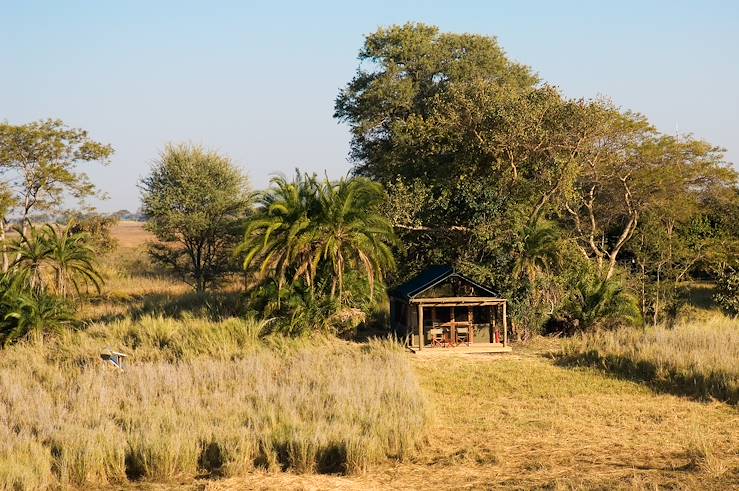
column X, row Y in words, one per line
column 429, row 278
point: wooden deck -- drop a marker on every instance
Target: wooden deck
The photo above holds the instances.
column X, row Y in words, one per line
column 473, row 348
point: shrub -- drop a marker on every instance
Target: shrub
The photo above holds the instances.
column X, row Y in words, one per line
column 597, row 302
column 727, row 290
column 98, row 227
column 27, row 313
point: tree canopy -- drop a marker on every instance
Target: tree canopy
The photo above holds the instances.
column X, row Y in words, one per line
column 475, row 152
column 195, row 201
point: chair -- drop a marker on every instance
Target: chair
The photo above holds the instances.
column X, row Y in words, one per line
column 462, row 335
column 437, row 337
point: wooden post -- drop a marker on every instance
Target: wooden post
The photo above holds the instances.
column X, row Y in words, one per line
column 470, row 329
column 408, row 324
column 491, row 324
column 505, row 324
column 420, row 326
column 453, row 327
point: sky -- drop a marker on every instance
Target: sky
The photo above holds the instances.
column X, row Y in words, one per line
column 257, row 81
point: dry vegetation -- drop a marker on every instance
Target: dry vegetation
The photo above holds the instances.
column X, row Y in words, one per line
column 522, row 422
column 205, row 400
column 200, row 399
column 699, row 358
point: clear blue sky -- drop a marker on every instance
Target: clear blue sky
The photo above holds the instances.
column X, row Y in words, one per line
column 258, row 82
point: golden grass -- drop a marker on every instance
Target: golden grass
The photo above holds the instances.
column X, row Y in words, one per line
column 200, row 399
column 130, row 234
column 522, row 422
column 699, row 358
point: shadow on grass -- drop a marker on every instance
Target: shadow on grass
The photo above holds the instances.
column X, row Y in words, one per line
column 213, row 305
column 665, row 379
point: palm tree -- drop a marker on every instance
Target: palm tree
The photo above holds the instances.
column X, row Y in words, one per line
column 279, row 235
column 72, row 259
column 32, row 315
column 46, row 251
column 309, row 228
column 539, row 252
column 352, row 234
column 32, row 255
column 598, row 300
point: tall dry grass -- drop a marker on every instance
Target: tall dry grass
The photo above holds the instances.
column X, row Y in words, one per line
column 200, row 399
column 698, row 358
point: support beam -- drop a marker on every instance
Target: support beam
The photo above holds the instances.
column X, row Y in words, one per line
column 505, row 325
column 470, row 327
column 453, row 327
column 420, row 327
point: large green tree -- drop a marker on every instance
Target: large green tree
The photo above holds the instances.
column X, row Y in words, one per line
column 39, row 167
column 317, row 232
column 195, row 201
column 472, row 149
column 402, row 69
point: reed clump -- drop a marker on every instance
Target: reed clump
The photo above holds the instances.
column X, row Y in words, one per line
column 200, row 399
column 696, row 358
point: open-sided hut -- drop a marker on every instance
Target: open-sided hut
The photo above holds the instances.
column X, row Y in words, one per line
column 441, row 308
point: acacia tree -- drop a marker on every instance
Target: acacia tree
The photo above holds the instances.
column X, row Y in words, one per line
column 39, row 163
column 630, row 170
column 195, row 201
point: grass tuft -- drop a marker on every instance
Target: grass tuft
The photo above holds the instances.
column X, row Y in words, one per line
column 200, row 398
column 696, row 358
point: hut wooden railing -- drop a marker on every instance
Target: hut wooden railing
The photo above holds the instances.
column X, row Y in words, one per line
column 453, row 324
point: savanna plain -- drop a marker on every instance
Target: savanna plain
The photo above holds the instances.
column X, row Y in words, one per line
column 212, row 401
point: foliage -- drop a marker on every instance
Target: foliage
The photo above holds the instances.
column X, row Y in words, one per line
column 402, row 69
column 539, row 251
column 39, row 162
column 50, row 261
column 727, row 290
column 98, row 228
column 310, row 237
column 32, row 315
column 195, row 201
column 599, row 302
column 630, row 171
column 51, row 258
column 476, row 153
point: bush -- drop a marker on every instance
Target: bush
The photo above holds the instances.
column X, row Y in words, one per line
column 29, row 314
column 98, row 227
column 597, row 302
column 727, row 291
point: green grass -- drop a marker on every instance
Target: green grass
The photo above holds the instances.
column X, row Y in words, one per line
column 200, row 399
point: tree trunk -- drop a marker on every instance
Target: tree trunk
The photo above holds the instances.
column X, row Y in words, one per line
column 656, row 299
column 3, row 245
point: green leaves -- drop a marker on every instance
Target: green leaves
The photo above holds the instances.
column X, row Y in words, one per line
column 42, row 159
column 597, row 302
column 196, row 202
column 311, row 234
column 32, row 315
column 53, row 259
